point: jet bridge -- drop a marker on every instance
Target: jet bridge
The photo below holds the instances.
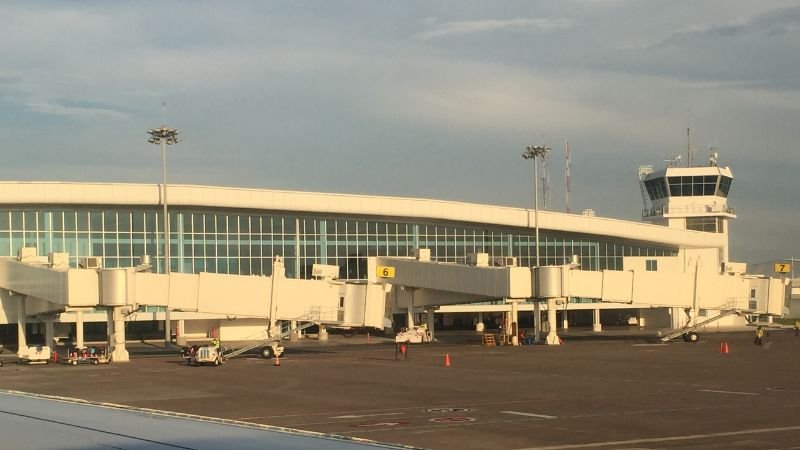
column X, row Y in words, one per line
column 421, row 283
column 44, row 287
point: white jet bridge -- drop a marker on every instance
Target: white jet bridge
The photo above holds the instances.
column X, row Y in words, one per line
column 44, row 287
column 421, row 283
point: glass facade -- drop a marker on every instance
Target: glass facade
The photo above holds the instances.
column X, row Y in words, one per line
column 244, row 242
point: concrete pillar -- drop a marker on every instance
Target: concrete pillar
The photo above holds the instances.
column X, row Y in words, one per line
column 537, row 321
column 596, row 326
column 167, row 328
column 79, row 329
column 479, row 327
column 515, row 322
column 180, row 331
column 430, row 323
column 295, row 334
column 552, row 336
column 109, row 330
column 21, row 320
column 49, row 335
column 119, row 353
column 323, row 333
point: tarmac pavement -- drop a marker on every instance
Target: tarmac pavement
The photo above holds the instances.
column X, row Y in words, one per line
column 618, row 391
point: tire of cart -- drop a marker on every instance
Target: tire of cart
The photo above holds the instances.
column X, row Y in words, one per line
column 267, row 352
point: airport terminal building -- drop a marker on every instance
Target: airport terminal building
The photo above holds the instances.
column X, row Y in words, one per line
column 239, row 231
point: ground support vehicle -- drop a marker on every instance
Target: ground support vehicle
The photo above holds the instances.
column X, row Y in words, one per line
column 689, row 332
column 35, row 355
column 270, row 348
column 207, row 354
column 87, row 355
column 414, row 335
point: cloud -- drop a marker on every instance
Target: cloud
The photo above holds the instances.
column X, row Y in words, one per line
column 75, row 110
column 772, row 23
column 447, row 29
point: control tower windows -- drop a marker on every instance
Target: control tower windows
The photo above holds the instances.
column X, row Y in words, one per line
column 725, row 186
column 688, row 186
column 707, row 224
column 656, row 188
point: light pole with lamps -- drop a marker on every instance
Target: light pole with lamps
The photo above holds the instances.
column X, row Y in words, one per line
column 535, row 152
column 165, row 136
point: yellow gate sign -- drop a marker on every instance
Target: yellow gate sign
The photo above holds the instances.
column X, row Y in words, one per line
column 783, row 267
column 386, row 271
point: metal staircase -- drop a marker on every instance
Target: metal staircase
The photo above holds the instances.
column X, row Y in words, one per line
column 280, row 332
column 689, row 328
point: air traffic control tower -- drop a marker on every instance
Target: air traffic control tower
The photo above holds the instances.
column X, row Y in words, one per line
column 688, row 197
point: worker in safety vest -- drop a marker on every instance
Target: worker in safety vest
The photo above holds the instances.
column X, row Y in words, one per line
column 759, row 336
column 215, row 342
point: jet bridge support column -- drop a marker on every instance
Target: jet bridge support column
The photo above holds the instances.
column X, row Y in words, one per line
column 79, row 329
column 431, row 316
column 514, row 321
column 537, row 320
column 21, row 320
column 552, row 336
column 119, row 353
column 49, row 334
column 596, row 326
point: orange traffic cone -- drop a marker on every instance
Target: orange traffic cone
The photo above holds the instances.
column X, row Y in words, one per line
column 723, row 347
column 367, row 337
column 447, row 360
column 277, row 360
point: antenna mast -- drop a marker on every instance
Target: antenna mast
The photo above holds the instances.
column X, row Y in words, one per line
column 688, row 148
column 567, row 170
column 545, row 180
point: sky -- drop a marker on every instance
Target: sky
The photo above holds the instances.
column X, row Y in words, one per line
column 424, row 99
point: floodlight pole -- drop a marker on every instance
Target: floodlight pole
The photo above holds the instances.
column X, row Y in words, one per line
column 534, row 152
column 165, row 136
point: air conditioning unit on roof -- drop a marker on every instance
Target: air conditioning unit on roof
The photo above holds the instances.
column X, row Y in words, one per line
column 505, row 261
column 90, row 262
column 478, row 259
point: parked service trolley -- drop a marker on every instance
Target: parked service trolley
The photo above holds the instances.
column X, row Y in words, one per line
column 35, row 355
column 87, row 355
column 199, row 355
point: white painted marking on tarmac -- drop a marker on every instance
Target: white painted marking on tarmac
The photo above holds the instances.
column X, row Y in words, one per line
column 355, row 416
column 541, row 416
column 667, row 438
column 727, row 392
